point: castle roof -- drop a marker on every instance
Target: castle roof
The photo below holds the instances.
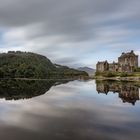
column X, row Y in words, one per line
column 128, row 54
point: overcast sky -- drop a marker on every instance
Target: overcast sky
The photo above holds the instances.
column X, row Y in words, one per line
column 71, row 32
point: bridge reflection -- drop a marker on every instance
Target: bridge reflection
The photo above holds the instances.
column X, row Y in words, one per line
column 127, row 91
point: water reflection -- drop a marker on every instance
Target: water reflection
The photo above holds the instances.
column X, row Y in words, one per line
column 23, row 89
column 72, row 111
column 127, row 91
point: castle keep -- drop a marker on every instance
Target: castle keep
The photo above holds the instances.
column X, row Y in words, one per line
column 127, row 62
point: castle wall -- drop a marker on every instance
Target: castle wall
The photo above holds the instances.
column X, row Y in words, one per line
column 128, row 63
column 113, row 67
column 102, row 66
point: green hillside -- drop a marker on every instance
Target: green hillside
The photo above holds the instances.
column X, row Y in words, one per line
column 30, row 65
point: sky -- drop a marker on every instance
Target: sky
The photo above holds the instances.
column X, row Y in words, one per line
column 75, row 33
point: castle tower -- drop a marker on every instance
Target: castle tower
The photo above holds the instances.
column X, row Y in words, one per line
column 128, row 62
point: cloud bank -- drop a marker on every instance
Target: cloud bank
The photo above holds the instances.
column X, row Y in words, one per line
column 74, row 33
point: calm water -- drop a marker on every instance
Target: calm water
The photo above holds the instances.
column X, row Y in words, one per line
column 62, row 110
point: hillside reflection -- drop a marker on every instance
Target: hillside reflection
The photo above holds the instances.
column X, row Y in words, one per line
column 23, row 89
column 127, row 91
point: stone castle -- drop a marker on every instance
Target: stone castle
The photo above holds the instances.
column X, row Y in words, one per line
column 127, row 62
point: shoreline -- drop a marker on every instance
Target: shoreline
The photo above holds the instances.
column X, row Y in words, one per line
column 131, row 79
column 50, row 79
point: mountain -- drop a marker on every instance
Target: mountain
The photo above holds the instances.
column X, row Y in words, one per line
column 31, row 65
column 90, row 71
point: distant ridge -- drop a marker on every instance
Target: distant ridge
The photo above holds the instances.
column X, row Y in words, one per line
column 90, row 71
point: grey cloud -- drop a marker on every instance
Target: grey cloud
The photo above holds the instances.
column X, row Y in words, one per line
column 51, row 26
column 67, row 18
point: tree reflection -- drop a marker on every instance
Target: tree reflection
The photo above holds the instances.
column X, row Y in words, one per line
column 23, row 89
column 127, row 91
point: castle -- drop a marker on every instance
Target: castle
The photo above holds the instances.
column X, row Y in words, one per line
column 127, row 62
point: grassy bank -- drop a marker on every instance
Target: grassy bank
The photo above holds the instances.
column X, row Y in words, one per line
column 120, row 76
column 117, row 74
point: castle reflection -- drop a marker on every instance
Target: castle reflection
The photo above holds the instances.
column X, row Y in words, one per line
column 127, row 91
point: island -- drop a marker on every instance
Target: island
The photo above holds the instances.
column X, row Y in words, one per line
column 125, row 69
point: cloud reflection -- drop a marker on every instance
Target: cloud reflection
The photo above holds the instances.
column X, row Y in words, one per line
column 70, row 111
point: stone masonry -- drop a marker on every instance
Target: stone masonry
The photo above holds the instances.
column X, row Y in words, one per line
column 127, row 62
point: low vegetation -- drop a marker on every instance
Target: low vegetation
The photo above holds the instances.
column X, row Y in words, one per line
column 137, row 70
column 117, row 74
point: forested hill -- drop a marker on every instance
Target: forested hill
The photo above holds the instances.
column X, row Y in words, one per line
column 30, row 65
